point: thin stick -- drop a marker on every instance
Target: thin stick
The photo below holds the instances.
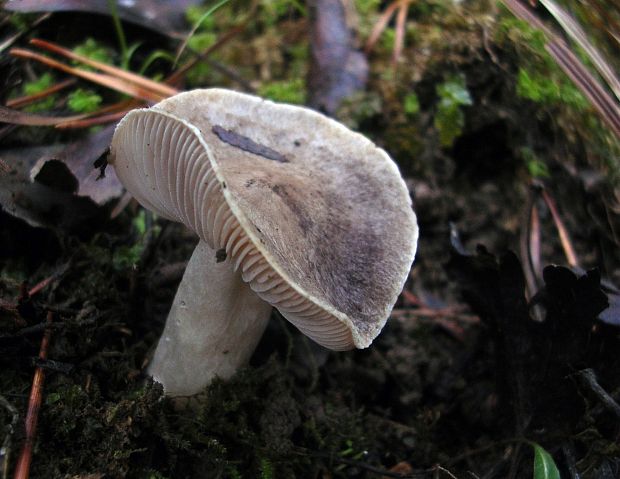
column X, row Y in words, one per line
column 401, row 25
column 535, row 242
column 17, row 117
column 378, row 28
column 569, row 251
column 588, row 378
column 27, row 99
column 22, row 469
column 96, row 120
column 525, row 247
column 177, row 75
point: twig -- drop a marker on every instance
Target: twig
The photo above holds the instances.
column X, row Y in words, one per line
column 525, row 244
column 534, row 243
column 381, row 24
column 588, row 378
column 187, row 38
column 399, row 40
column 176, row 77
column 232, row 74
column 88, row 122
column 367, row 467
column 437, row 468
column 569, row 251
column 28, row 99
column 45, row 283
column 22, row 469
column 16, row 117
column 9, row 41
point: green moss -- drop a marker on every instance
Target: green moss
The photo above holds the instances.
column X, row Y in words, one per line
column 45, row 81
column 450, row 119
column 535, row 166
column 198, row 75
column 411, row 104
column 286, row 91
column 519, row 32
column 367, row 7
column 359, row 108
column 94, row 50
column 201, row 41
column 540, row 87
column 266, row 469
column 83, row 101
column 273, row 10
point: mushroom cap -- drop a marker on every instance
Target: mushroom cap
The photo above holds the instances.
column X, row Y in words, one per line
column 316, row 216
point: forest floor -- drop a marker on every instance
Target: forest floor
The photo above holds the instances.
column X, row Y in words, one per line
column 501, row 349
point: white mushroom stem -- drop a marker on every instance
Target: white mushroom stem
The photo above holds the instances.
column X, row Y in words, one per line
column 212, row 329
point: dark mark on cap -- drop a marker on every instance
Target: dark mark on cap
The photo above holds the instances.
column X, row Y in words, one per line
column 246, row 144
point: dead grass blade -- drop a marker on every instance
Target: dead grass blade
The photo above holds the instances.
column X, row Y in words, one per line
column 178, row 75
column 567, row 246
column 605, row 104
column 597, row 14
column 16, row 117
column 380, row 26
column 602, row 101
column 187, row 38
column 88, row 122
column 574, row 30
column 108, row 81
column 28, row 99
column 139, row 80
column 399, row 40
column 534, row 242
column 531, row 283
column 11, row 40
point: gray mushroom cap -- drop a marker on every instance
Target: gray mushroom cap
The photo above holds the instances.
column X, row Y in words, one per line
column 316, row 216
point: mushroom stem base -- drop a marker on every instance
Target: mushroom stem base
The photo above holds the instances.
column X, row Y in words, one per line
column 212, row 329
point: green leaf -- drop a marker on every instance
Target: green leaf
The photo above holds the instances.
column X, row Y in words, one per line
column 544, row 465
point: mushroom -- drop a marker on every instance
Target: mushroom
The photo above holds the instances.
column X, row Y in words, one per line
column 293, row 210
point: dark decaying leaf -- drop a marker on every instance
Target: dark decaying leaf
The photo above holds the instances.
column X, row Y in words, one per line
column 76, row 161
column 567, row 297
column 80, row 157
column 57, row 185
column 611, row 315
column 36, row 203
column 337, row 69
column 534, row 360
column 159, row 15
